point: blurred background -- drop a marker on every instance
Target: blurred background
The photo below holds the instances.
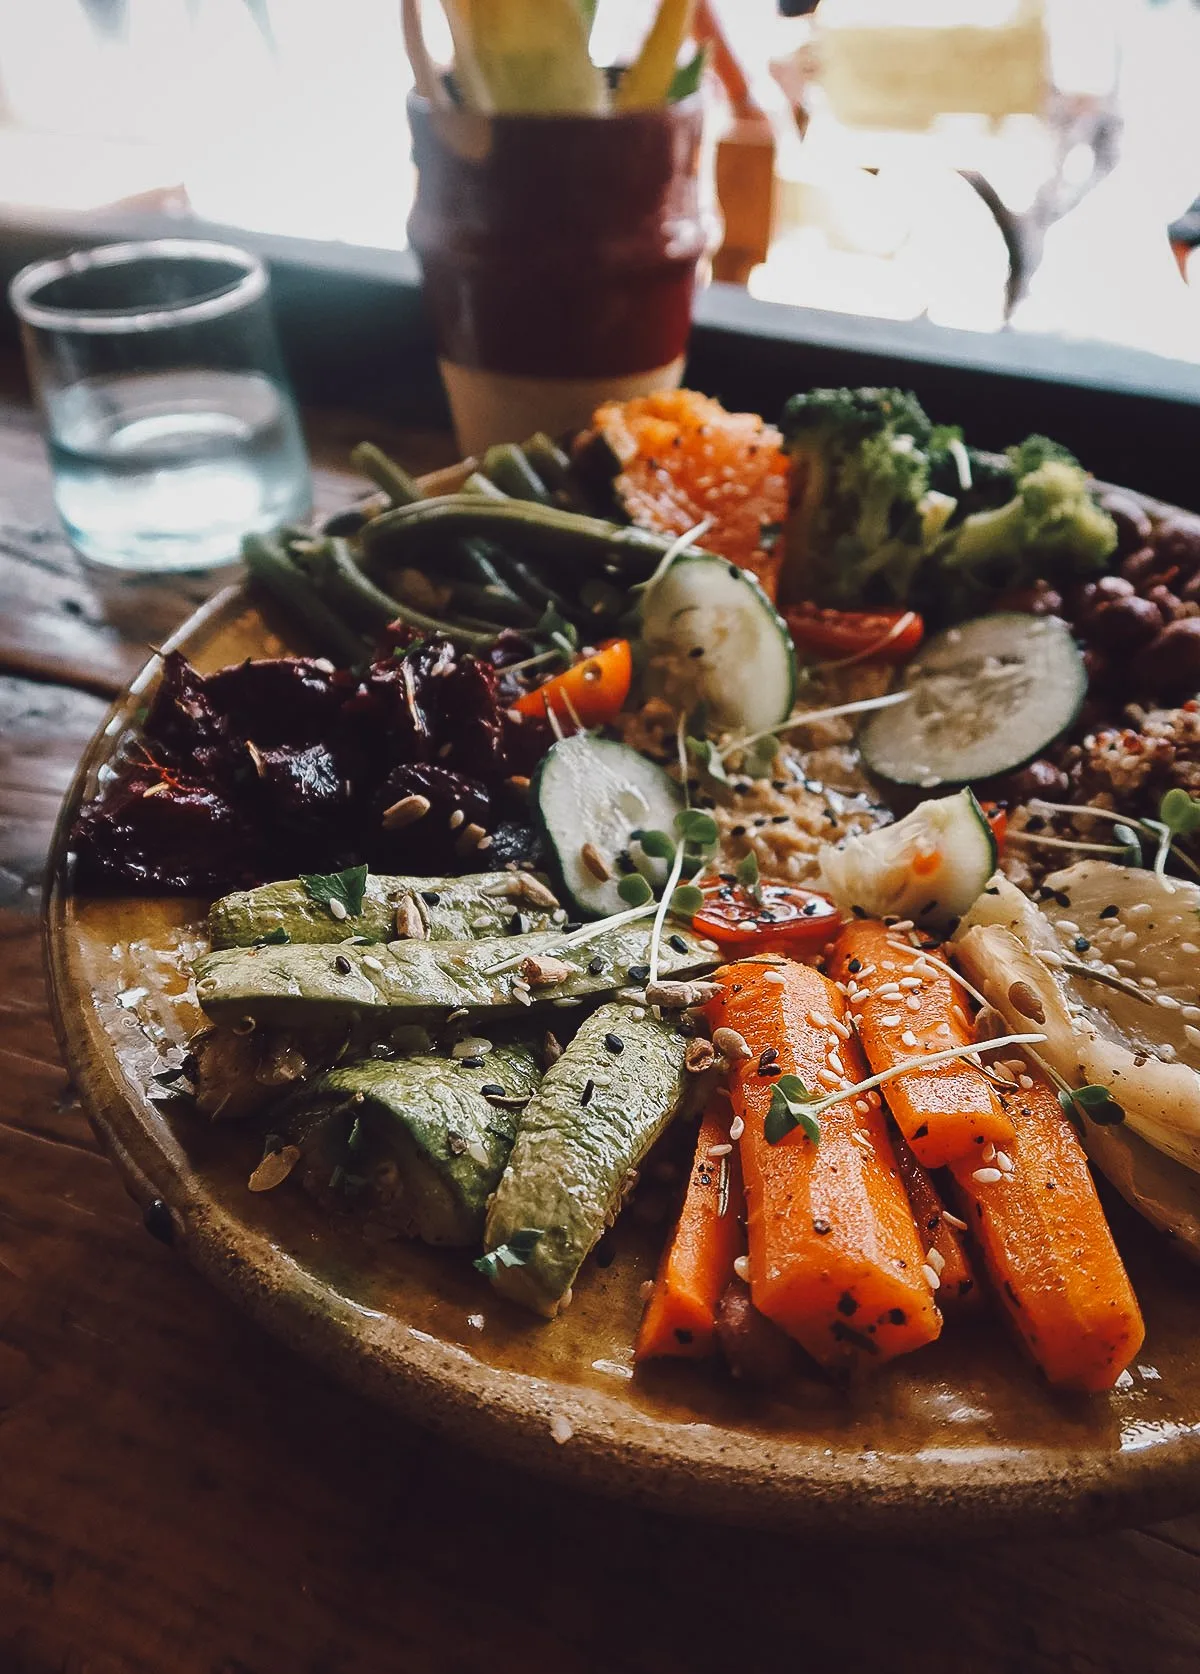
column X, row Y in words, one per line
column 976, row 163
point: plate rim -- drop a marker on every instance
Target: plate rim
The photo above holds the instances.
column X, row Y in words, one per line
column 702, row 1468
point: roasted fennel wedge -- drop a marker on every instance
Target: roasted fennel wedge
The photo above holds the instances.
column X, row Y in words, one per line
column 1106, row 964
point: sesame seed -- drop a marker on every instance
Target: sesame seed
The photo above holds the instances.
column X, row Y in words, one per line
column 737, row 1128
column 1024, row 1082
column 840, row 1029
column 910, row 982
column 913, row 1002
column 861, row 1107
column 908, row 1038
column 987, row 1176
column 1168, row 1002
column 1005, row 1163
column 888, row 991
column 1192, row 1033
column 774, row 976
column 337, row 909
column 372, row 964
column 341, row 964
column 889, row 1020
column 936, row 1260
column 954, row 1221
column 835, row 1063
column 989, row 1152
column 719, row 1150
column 614, row 1043
column 828, row 1078
column 741, row 1267
column 930, row 1277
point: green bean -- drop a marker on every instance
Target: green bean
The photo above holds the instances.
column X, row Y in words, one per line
column 550, row 463
column 482, row 486
column 497, row 600
column 395, row 481
column 509, row 469
column 624, row 551
column 348, row 591
column 271, row 567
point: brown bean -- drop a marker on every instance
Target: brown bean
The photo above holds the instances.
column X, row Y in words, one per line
column 1169, row 667
column 1123, row 624
column 1038, row 599
column 1141, row 565
column 1166, row 601
column 1036, row 778
column 1177, row 542
column 1133, row 525
column 755, row 1349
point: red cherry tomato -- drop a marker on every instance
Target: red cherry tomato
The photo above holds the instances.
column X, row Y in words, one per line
column 788, row 920
column 889, row 635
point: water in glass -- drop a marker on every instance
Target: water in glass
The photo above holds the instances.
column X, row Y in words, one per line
column 168, row 470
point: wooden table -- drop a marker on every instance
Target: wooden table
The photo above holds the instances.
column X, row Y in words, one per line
column 178, row 1495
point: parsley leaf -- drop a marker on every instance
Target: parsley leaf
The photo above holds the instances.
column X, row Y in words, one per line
column 513, row 1254
column 346, row 888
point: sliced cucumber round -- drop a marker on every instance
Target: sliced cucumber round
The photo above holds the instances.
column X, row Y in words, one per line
column 713, row 636
column 986, row 697
column 932, row 866
column 591, row 795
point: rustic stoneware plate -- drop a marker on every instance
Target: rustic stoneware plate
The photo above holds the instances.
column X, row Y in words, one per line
column 962, row 1438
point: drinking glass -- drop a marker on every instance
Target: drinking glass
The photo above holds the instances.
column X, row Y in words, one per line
column 171, row 429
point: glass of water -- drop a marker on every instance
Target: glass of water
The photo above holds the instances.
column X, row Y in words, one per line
column 171, row 428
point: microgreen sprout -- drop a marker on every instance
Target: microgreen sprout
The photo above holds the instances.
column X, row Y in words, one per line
column 782, row 1115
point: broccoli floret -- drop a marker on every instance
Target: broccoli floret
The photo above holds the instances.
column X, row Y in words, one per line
column 1037, row 450
column 1051, row 516
column 861, row 474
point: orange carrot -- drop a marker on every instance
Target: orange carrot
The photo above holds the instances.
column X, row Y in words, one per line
column 905, row 1006
column 1047, row 1246
column 945, row 1244
column 697, row 1264
column 834, row 1254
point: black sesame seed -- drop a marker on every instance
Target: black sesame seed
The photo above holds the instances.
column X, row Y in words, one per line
column 677, row 942
column 596, row 964
column 638, row 973
column 809, row 908
column 771, row 1069
column 1063, row 899
column 846, row 1304
column 727, row 877
column 1110, row 912
column 494, row 1088
column 1035, row 822
column 471, row 1063
column 696, row 651
column 738, row 831
column 854, row 965
column 431, row 897
column 519, row 925
column 780, row 819
column 614, row 1043
column 342, row 965
column 1082, row 944
column 779, row 784
column 589, row 1087
column 768, row 1055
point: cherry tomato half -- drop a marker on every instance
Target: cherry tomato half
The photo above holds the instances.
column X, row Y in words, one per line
column 595, row 688
column 891, row 636
column 788, row 920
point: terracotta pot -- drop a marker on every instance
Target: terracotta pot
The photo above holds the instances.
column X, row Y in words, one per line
column 560, row 256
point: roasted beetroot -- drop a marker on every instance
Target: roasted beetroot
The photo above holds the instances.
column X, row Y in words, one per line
column 281, row 765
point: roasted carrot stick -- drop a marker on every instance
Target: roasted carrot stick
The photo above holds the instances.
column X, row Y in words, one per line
column 834, row 1254
column 697, row 1264
column 1047, row 1246
column 905, row 1006
column 945, row 1244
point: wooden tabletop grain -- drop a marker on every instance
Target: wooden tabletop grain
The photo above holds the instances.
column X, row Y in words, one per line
column 178, row 1495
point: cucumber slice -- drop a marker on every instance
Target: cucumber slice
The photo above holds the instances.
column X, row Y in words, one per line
column 932, row 866
column 713, row 636
column 593, row 791
column 987, row 696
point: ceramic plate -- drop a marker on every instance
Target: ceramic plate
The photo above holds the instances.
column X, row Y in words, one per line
column 961, row 1437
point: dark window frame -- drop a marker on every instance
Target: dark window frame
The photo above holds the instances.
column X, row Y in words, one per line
column 355, row 334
